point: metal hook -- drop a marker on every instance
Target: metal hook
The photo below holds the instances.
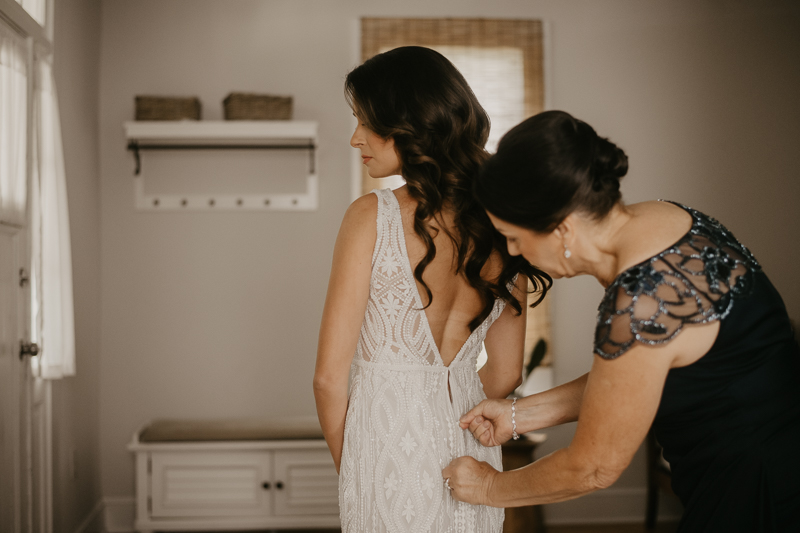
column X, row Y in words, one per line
column 134, row 147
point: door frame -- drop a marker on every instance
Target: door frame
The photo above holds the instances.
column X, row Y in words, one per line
column 35, row 503
column 14, row 430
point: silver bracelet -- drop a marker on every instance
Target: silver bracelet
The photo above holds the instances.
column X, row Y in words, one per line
column 514, row 434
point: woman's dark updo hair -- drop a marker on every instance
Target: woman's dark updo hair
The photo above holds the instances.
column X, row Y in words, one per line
column 416, row 97
column 547, row 167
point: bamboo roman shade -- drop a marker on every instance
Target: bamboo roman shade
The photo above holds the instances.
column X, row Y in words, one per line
column 379, row 34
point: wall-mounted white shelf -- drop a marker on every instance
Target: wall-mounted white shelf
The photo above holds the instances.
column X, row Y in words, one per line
column 224, row 135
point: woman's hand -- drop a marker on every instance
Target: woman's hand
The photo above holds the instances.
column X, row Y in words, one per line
column 489, row 422
column 469, row 480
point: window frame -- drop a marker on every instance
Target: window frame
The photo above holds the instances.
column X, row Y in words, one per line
column 39, row 41
column 42, row 36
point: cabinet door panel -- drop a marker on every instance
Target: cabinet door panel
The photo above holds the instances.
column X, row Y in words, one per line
column 310, row 483
column 210, row 484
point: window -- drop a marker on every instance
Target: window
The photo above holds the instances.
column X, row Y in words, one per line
column 35, row 8
column 32, row 164
column 13, row 125
column 503, row 62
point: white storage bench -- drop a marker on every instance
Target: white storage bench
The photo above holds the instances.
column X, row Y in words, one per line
column 194, row 475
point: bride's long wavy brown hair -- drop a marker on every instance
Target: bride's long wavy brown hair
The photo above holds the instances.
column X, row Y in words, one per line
column 416, row 97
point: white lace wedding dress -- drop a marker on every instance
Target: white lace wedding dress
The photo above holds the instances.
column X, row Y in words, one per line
column 402, row 425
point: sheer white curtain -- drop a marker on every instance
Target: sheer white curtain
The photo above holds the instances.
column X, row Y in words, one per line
column 52, row 269
column 13, row 122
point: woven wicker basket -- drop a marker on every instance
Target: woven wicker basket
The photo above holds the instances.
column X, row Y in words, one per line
column 244, row 106
column 165, row 108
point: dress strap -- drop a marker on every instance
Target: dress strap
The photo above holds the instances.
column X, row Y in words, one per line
column 383, row 218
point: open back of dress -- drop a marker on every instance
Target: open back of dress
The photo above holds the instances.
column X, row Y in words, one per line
column 402, row 427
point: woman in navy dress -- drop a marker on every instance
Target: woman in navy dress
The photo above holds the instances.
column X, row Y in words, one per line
column 691, row 338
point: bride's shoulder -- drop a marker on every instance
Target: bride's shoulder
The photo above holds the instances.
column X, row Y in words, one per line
column 363, row 206
column 361, row 215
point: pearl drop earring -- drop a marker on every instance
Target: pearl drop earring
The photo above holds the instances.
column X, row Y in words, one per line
column 567, row 253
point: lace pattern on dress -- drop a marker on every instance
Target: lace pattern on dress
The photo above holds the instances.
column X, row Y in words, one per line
column 401, row 427
column 695, row 281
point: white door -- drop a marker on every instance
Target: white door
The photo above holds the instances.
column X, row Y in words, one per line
column 14, row 480
column 25, row 458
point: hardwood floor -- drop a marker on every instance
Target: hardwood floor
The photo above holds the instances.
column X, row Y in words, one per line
column 666, row 527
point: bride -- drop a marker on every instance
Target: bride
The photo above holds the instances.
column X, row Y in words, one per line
column 419, row 282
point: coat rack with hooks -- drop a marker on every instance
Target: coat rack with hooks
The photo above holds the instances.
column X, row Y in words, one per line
column 223, row 135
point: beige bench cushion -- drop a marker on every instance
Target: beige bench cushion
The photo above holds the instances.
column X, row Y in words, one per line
column 231, row 430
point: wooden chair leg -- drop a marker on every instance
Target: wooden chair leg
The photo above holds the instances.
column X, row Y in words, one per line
column 651, row 511
column 652, row 505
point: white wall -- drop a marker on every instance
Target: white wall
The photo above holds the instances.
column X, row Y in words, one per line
column 76, row 64
column 216, row 314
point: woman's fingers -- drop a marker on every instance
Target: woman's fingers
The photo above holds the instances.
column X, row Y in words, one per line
column 448, row 471
column 476, row 423
column 478, row 429
column 483, row 431
column 471, row 415
column 467, row 479
column 486, row 437
column 454, row 474
column 485, row 420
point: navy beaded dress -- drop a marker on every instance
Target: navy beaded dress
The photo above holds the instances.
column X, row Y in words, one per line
column 730, row 422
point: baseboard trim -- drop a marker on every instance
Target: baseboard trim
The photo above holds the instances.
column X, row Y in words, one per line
column 119, row 514
column 93, row 522
column 610, row 506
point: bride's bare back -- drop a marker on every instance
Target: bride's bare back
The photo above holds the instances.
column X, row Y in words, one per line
column 455, row 302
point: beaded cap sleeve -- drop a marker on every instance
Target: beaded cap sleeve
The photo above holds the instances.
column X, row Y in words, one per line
column 695, row 281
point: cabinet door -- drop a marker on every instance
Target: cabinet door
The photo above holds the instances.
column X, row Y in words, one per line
column 306, row 483
column 210, row 483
